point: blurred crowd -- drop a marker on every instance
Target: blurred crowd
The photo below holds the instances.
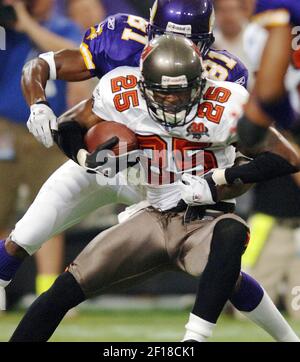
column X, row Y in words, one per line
column 274, row 253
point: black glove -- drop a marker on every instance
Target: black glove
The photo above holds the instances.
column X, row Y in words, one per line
column 93, row 159
column 107, row 163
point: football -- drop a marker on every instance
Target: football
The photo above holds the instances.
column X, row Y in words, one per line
column 102, row 132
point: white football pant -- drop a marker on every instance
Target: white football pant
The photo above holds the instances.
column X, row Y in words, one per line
column 67, row 197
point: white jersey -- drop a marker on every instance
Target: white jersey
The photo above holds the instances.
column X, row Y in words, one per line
column 203, row 144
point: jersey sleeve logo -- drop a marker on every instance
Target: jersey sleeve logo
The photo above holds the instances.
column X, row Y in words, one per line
column 241, row 81
column 95, row 33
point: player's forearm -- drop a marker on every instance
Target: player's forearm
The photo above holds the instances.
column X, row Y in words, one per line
column 278, row 145
column 265, row 167
column 70, row 66
column 220, row 189
column 277, row 158
column 270, row 101
column 275, row 61
column 82, row 113
column 229, row 192
column 34, row 81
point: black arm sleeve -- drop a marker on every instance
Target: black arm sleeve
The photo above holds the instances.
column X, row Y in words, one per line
column 250, row 134
column 70, row 138
column 264, row 167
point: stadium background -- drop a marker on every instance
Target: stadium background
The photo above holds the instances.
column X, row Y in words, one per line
column 157, row 309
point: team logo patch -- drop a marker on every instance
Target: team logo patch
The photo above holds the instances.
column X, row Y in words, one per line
column 197, row 130
column 95, row 33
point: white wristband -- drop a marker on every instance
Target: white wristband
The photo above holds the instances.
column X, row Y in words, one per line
column 49, row 58
column 219, row 177
column 81, row 157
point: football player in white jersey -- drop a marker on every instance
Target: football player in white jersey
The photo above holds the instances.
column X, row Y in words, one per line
column 189, row 224
column 83, row 196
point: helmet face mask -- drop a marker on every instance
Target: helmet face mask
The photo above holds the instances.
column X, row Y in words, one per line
column 205, row 43
column 172, row 106
column 192, row 18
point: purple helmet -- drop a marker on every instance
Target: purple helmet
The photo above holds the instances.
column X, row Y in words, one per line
column 192, row 18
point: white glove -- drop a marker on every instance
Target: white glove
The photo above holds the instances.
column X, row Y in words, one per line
column 41, row 122
column 196, row 190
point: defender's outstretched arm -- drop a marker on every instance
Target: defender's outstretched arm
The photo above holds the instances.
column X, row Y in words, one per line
column 275, row 158
column 269, row 101
column 67, row 64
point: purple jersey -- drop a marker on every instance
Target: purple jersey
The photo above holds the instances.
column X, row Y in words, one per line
column 221, row 65
column 120, row 39
column 270, row 13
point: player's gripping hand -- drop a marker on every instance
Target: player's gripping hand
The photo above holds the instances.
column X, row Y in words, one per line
column 94, row 162
column 103, row 160
column 198, row 190
column 41, row 122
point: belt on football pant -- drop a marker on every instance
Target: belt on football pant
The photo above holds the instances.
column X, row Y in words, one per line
column 197, row 212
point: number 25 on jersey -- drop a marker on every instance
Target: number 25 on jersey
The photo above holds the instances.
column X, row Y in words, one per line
column 125, row 100
column 213, row 112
